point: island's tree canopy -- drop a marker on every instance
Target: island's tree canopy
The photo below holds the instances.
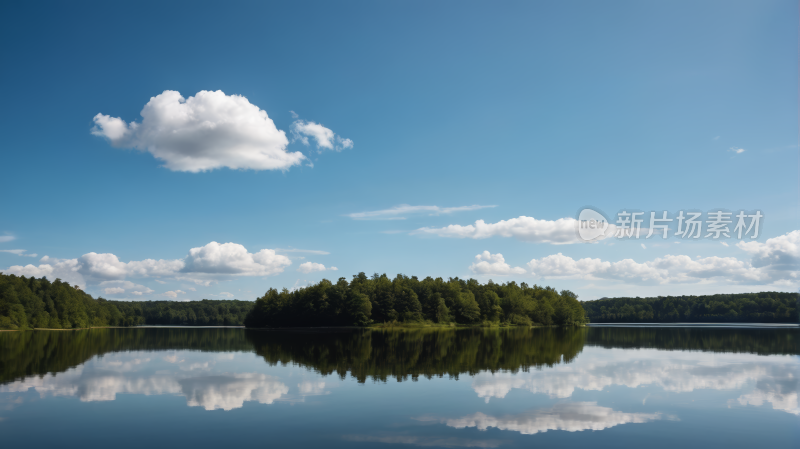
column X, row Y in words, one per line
column 378, row 299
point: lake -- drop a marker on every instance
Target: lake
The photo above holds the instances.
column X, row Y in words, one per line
column 606, row 386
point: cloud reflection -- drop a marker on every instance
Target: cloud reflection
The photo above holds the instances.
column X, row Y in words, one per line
column 774, row 379
column 182, row 374
column 570, row 416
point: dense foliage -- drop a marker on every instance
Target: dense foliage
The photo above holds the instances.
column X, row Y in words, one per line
column 766, row 307
column 378, row 299
column 27, row 303
column 38, row 303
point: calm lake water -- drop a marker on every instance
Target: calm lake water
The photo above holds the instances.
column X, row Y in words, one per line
column 620, row 387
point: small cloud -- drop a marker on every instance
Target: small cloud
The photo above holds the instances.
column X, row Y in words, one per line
column 310, row 267
column 294, row 114
column 226, row 294
column 325, row 138
column 160, row 281
column 724, row 244
column 487, row 263
column 399, row 212
column 173, row 294
column 113, row 290
column 716, row 138
column 296, row 250
column 6, row 238
column 643, row 247
column 18, row 252
column 737, row 150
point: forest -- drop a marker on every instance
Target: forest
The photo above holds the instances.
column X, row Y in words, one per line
column 378, row 299
column 765, row 307
column 27, row 303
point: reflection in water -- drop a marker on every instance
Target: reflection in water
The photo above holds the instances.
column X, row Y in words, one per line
column 780, row 390
column 425, row 441
column 762, row 341
column 103, row 380
column 400, row 354
column 569, row 416
column 774, row 380
column 204, row 365
column 230, row 392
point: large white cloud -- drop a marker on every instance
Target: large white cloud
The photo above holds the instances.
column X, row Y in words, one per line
column 202, row 265
column 528, row 229
column 210, row 130
column 669, row 269
column 782, row 252
column 232, row 258
column 68, row 270
column 487, row 263
column 774, row 262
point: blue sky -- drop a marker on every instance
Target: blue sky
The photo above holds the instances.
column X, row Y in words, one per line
column 535, row 108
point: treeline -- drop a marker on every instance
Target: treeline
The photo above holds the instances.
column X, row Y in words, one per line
column 766, row 307
column 378, row 299
column 27, row 303
column 195, row 313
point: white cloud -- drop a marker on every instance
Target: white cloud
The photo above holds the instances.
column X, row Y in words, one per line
column 208, row 131
column 295, row 250
column 527, row 229
column 173, row 294
column 65, row 269
column 737, row 150
column 18, row 252
column 6, row 238
column 773, row 262
column 226, row 294
column 232, row 258
column 310, row 267
column 203, row 266
column 118, row 286
column 324, row 137
column 493, row 264
column 782, row 252
column 399, row 212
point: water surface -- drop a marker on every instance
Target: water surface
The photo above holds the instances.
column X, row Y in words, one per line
column 600, row 386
